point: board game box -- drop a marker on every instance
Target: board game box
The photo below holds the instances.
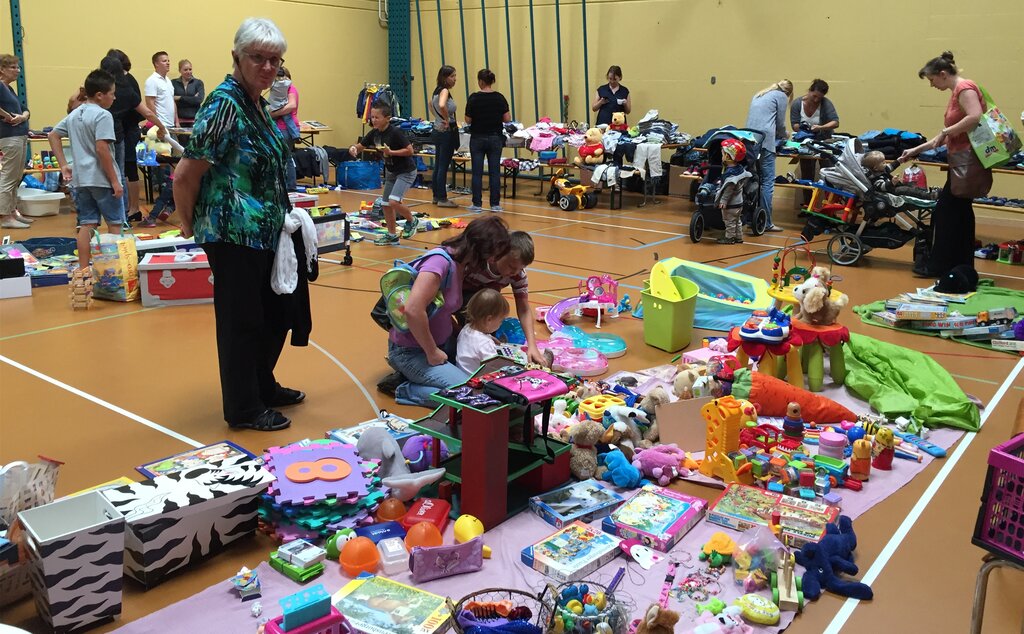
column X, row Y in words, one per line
column 193, row 458
column 376, row 605
column 741, row 507
column 571, row 553
column 657, row 516
column 584, row 501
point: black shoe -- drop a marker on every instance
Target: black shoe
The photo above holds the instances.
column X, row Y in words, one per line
column 286, row 396
column 922, row 272
column 390, row 383
column 135, row 217
column 268, row 420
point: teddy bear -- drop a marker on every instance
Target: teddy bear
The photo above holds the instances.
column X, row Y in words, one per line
column 582, row 454
column 828, row 558
column 618, row 122
column 814, row 302
column 682, row 385
column 617, row 470
column 649, row 403
column 592, row 152
column 661, row 463
column 658, row 620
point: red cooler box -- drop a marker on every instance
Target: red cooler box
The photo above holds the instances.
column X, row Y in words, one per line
column 169, row 279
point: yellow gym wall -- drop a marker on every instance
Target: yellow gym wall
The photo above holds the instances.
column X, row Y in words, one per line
column 869, row 51
column 333, row 46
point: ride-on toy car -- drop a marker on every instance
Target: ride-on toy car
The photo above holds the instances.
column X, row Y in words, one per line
column 570, row 195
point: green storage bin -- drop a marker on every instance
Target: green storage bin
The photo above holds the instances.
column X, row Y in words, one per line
column 668, row 324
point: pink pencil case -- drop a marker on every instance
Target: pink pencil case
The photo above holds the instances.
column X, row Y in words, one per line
column 531, row 386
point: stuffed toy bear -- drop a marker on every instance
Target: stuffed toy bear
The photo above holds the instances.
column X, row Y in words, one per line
column 815, row 305
column 618, row 122
column 649, row 403
column 583, row 454
column 682, row 385
column 658, row 620
column 592, row 152
column 830, row 557
column 618, row 470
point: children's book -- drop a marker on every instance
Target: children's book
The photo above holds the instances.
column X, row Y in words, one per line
column 657, row 516
column 193, row 458
column 377, row 605
column 397, row 426
column 583, row 501
column 741, row 507
column 572, row 553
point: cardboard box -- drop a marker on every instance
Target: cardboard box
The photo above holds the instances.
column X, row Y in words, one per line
column 172, row 279
column 11, row 287
column 583, row 501
column 657, row 516
column 572, row 553
column 180, row 519
column 76, row 546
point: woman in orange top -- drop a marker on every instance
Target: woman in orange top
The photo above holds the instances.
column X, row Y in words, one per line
column 953, row 218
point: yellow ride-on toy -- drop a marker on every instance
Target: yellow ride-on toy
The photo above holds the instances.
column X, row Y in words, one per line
column 570, row 195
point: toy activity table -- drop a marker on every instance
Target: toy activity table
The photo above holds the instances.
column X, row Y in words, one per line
column 767, row 355
column 814, row 340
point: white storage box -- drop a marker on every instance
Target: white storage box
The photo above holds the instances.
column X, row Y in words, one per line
column 303, row 200
column 36, row 202
column 76, row 546
column 180, row 519
column 11, row 287
column 163, row 245
column 171, row 279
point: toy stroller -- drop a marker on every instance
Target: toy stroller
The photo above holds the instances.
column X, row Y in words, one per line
column 707, row 215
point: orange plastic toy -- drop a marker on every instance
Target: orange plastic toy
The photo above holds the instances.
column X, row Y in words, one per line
column 390, row 510
column 422, row 534
column 359, row 555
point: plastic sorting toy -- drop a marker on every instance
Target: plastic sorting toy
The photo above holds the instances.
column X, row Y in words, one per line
column 359, row 555
column 583, row 362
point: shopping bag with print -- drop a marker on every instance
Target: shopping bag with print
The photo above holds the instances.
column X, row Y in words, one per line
column 115, row 265
column 994, row 141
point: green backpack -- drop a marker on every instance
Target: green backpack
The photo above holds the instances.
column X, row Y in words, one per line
column 395, row 286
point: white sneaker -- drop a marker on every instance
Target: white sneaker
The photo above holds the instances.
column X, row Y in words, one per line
column 20, row 217
column 11, row 223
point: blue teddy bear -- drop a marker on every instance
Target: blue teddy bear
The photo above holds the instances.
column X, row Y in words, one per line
column 620, row 471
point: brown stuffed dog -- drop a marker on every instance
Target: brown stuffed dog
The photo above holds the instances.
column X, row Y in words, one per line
column 815, row 305
column 658, row 620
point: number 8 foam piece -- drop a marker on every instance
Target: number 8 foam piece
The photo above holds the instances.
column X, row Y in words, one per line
column 320, row 471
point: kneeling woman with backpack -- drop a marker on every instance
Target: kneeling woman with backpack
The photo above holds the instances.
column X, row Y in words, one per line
column 425, row 354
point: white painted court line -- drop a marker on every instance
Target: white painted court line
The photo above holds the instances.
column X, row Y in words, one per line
column 102, row 403
column 915, row 513
column 344, row 368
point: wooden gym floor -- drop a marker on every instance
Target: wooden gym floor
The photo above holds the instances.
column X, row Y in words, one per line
column 110, row 388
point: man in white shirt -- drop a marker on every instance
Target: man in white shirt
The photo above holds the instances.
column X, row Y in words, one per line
column 160, row 91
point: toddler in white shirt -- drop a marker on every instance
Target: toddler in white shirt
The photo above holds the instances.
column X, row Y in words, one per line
column 484, row 314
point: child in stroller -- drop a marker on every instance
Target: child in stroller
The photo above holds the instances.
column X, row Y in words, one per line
column 859, row 204
column 740, row 195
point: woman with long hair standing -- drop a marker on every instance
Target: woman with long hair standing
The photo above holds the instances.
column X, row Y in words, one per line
column 446, row 133
column 767, row 114
column 486, row 114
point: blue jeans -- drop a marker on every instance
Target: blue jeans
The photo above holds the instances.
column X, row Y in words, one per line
column 423, row 379
column 767, row 162
column 445, row 143
column 490, row 146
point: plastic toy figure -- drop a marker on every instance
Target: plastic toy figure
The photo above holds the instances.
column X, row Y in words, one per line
column 884, row 450
column 860, row 461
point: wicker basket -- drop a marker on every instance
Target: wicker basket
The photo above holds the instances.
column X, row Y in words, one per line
column 614, row 614
column 1000, row 525
column 517, row 597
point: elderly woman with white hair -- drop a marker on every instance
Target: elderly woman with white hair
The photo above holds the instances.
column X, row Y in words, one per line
column 230, row 191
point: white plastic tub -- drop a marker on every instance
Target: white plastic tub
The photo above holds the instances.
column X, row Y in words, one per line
column 36, row 202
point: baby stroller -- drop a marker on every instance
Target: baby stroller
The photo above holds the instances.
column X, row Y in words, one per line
column 861, row 212
column 707, row 216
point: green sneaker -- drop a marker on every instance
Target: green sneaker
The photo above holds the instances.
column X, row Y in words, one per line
column 386, row 240
column 410, row 227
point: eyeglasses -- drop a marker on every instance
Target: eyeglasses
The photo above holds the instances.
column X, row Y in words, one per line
column 259, row 60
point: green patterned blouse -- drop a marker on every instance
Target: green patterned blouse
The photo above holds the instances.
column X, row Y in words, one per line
column 242, row 197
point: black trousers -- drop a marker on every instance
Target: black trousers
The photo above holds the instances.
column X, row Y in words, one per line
column 249, row 335
column 952, row 233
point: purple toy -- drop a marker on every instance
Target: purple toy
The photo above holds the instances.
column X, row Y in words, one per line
column 661, row 463
column 418, row 450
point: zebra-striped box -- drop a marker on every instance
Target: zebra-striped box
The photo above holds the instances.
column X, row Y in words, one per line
column 76, row 549
column 179, row 519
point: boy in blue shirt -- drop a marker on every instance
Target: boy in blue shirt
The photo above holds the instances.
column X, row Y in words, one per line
column 95, row 177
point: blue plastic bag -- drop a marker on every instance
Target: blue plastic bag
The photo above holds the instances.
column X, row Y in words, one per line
column 359, row 174
column 32, row 182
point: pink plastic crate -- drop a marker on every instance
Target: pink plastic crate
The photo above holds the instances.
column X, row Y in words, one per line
column 1000, row 526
